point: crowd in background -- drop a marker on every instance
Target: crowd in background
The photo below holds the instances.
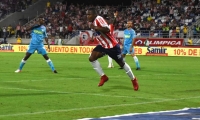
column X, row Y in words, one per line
column 166, row 18
column 11, row 6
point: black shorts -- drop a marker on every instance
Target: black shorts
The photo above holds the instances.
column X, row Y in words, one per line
column 114, row 53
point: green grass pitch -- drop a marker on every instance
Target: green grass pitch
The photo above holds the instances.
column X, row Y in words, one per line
column 166, row 83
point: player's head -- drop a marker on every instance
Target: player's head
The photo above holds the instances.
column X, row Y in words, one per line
column 91, row 14
column 129, row 24
column 40, row 21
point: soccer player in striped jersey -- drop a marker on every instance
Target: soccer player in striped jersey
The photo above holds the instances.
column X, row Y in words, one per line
column 38, row 33
column 107, row 45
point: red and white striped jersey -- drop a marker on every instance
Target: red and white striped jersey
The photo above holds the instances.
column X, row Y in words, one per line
column 111, row 27
column 106, row 40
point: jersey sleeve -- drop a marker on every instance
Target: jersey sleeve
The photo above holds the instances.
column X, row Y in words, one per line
column 102, row 22
column 133, row 34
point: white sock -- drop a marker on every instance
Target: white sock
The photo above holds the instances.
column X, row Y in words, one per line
column 128, row 70
column 135, row 58
column 110, row 61
column 97, row 67
column 124, row 59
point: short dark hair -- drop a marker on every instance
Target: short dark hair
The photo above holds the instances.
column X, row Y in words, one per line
column 93, row 10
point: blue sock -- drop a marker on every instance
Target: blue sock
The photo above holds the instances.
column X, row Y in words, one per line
column 22, row 63
column 136, row 62
column 50, row 63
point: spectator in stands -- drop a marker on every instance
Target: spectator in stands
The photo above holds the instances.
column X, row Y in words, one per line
column 18, row 30
column 52, row 40
column 198, row 31
column 177, row 31
column 4, row 34
column 48, row 4
column 185, row 31
column 9, row 29
column 22, row 32
column 19, row 40
column 69, row 29
column 190, row 41
column 174, row 13
column 194, row 31
column 149, row 18
column 171, row 12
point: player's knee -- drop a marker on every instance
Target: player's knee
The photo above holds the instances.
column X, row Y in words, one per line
column 120, row 62
column 91, row 59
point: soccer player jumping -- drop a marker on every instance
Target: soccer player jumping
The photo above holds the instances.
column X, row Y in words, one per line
column 107, row 45
column 38, row 33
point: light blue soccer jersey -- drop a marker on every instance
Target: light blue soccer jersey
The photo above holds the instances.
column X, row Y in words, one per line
column 37, row 35
column 128, row 36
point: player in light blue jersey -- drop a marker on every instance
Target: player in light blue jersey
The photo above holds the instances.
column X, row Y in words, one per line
column 127, row 48
column 38, row 34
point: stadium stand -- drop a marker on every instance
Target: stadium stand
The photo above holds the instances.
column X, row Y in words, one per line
column 152, row 18
column 11, row 6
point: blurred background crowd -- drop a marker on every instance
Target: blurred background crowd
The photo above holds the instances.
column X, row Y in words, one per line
column 154, row 18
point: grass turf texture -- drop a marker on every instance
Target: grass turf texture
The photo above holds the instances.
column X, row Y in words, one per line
column 36, row 93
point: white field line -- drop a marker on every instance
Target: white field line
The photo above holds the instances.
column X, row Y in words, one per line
column 117, row 76
column 131, row 114
column 80, row 93
column 96, row 107
column 43, row 80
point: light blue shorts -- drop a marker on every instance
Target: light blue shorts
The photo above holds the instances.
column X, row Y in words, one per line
column 40, row 49
column 126, row 50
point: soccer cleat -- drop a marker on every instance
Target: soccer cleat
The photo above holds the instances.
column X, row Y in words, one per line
column 55, row 71
column 135, row 84
column 103, row 79
column 137, row 68
column 18, row 70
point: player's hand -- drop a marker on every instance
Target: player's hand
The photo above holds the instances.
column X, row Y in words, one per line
column 116, row 14
column 92, row 26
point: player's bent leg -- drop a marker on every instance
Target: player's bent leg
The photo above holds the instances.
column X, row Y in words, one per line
column 97, row 67
column 136, row 60
column 110, row 63
column 123, row 56
column 23, row 61
column 50, row 63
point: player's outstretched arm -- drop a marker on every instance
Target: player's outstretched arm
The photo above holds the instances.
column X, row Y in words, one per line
column 100, row 29
column 46, row 39
column 115, row 16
